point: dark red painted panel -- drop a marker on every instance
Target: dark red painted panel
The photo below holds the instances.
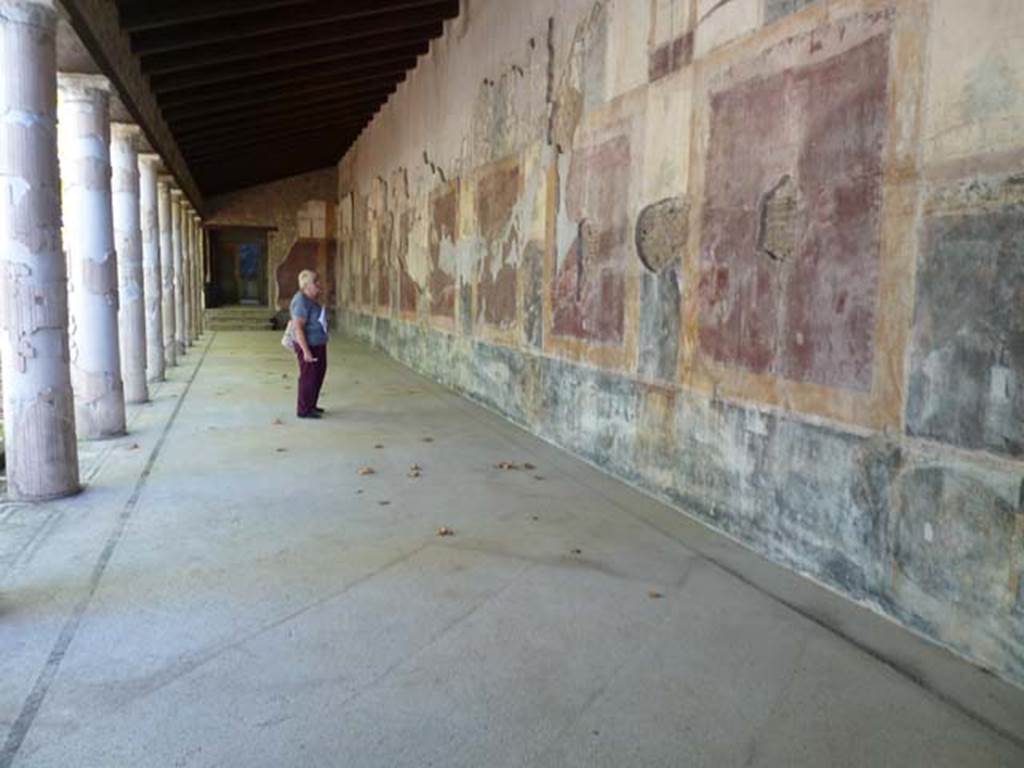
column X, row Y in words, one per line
column 589, row 288
column 805, row 312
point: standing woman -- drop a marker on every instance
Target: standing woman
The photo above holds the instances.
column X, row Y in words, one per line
column 309, row 321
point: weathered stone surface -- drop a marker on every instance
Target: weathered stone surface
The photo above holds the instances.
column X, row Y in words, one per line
column 659, row 325
column 533, row 294
column 967, row 353
column 312, row 254
column 441, row 282
column 670, row 57
column 776, row 9
column 661, row 231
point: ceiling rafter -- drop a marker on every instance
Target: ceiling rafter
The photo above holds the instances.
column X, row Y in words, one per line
column 254, row 24
column 254, row 90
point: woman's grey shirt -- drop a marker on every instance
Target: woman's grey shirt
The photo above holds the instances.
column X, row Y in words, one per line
column 304, row 307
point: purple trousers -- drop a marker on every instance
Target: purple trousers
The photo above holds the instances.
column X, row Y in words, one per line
column 311, row 377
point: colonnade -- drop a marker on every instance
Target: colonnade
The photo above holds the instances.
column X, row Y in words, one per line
column 101, row 260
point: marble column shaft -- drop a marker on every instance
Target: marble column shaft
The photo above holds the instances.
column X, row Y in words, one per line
column 166, row 225
column 151, row 269
column 177, row 209
column 39, row 425
column 84, row 148
column 124, row 161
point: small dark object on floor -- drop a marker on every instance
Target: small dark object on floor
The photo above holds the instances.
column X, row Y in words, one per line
column 655, row 595
column 384, row 503
column 577, row 551
column 281, row 450
column 444, row 530
column 428, row 439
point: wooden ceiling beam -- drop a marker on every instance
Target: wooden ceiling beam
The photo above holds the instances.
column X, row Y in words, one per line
column 357, row 12
column 345, row 71
column 136, row 15
column 315, row 44
column 273, row 112
column 270, row 86
column 209, row 143
column 314, row 144
column 220, row 183
column 279, row 95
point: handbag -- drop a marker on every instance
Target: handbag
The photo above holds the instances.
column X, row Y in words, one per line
column 288, row 340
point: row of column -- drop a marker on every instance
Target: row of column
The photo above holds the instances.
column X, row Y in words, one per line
column 95, row 310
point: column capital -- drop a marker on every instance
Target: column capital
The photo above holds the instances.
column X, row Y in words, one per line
column 79, row 84
column 125, row 131
column 29, row 11
column 150, row 158
column 176, row 193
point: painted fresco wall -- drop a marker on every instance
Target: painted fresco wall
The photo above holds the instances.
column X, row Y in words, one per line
column 763, row 258
column 301, row 213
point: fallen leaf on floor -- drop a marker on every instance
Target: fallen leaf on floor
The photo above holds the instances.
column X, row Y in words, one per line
column 415, row 468
column 655, row 595
column 384, row 503
column 506, row 465
column 528, row 465
column 414, row 473
column 444, row 530
column 366, row 471
column 577, row 551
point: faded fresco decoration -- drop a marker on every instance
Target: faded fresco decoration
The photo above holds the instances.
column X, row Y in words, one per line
column 761, row 258
column 789, row 253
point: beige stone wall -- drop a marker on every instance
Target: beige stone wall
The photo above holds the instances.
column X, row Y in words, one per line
column 290, row 207
column 760, row 257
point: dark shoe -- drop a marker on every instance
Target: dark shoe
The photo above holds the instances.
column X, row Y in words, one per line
column 310, row 415
column 318, row 409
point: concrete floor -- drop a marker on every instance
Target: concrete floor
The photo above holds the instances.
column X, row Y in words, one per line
column 229, row 591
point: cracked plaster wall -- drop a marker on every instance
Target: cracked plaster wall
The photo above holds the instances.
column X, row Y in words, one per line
column 761, row 258
column 280, row 206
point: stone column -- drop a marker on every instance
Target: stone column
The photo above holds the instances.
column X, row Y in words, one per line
column 131, row 317
column 84, row 139
column 39, row 422
column 186, row 264
column 165, row 225
column 201, row 274
column 197, row 280
column 179, row 295
column 151, row 275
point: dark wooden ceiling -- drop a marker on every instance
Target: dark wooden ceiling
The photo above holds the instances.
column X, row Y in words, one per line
column 255, row 90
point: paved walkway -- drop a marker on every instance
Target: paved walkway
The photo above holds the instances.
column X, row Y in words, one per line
column 230, row 591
